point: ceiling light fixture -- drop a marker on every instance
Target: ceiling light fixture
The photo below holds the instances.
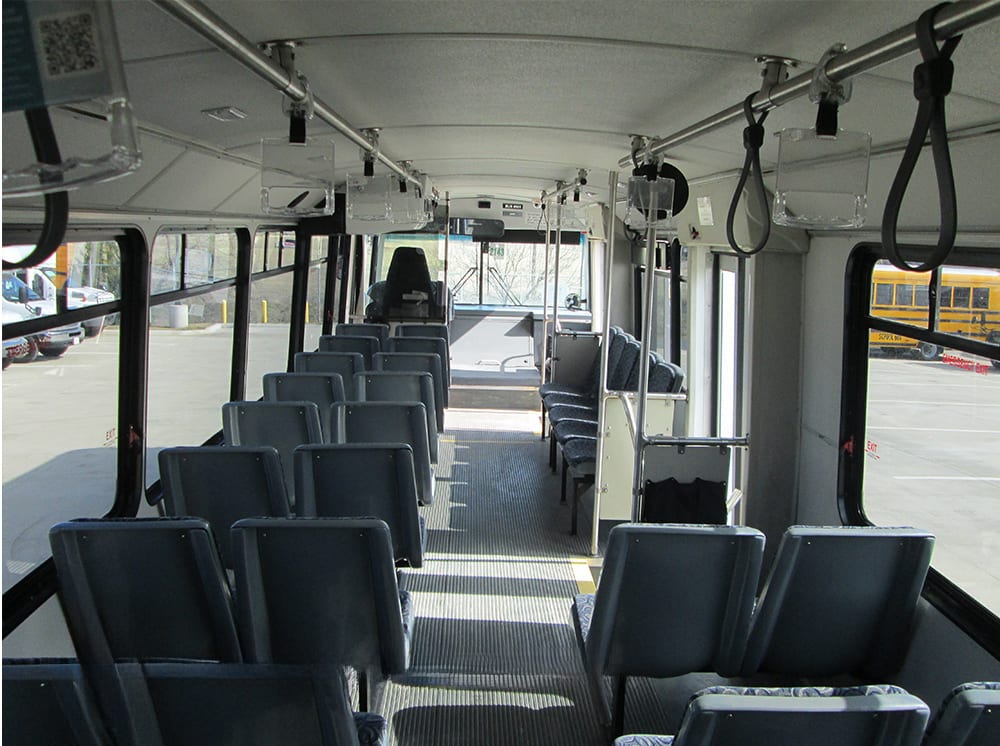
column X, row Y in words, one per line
column 225, row 114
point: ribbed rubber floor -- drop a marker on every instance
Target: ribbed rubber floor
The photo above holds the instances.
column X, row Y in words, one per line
column 495, row 660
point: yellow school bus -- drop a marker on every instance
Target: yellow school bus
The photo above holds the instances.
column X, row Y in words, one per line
column 968, row 304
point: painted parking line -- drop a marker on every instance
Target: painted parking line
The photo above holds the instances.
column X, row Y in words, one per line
column 952, row 479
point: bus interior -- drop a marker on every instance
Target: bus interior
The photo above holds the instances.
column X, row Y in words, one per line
column 466, row 372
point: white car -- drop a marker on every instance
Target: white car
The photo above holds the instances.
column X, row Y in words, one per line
column 43, row 281
column 20, row 303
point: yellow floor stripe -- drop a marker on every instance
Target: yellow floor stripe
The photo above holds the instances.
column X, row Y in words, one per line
column 582, row 575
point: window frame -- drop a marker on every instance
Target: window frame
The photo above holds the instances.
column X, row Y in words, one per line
column 966, row 612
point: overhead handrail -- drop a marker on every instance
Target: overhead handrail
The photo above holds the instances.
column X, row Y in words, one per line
column 931, row 83
column 201, row 19
column 950, row 21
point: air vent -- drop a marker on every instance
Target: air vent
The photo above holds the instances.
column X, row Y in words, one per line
column 225, row 114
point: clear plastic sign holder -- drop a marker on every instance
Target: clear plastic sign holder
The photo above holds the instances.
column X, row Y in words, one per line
column 296, row 179
column 368, row 197
column 573, row 217
column 63, row 52
column 822, row 181
column 643, row 195
column 409, row 207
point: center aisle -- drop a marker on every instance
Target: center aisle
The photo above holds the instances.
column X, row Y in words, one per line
column 494, row 659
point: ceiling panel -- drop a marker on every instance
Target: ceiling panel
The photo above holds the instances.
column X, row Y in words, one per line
column 479, row 93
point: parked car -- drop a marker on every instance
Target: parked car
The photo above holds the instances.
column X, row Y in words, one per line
column 43, row 282
column 14, row 348
column 20, row 303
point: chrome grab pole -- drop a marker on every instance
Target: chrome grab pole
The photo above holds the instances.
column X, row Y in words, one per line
column 647, row 333
column 609, row 250
column 951, row 20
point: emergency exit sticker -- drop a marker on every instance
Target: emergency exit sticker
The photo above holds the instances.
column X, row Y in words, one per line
column 705, row 211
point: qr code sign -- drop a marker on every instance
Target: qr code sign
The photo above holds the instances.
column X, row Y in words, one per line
column 69, row 44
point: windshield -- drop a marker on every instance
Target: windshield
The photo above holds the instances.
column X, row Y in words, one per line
column 12, row 289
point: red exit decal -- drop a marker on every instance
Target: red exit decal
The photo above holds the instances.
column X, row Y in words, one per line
column 970, row 365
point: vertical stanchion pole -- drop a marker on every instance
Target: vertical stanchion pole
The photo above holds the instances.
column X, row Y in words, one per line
column 545, row 297
column 609, row 250
column 555, row 281
column 446, row 301
column 647, row 332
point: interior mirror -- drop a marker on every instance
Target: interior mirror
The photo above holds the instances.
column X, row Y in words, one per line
column 480, row 229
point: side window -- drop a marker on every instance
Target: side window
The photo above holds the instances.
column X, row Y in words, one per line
column 904, row 295
column 190, row 339
column 883, row 294
column 60, row 399
column 933, row 469
column 980, row 298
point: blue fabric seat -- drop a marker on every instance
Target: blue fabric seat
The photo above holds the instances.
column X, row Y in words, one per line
column 403, row 386
column 322, row 591
column 144, row 588
column 433, row 345
column 694, row 618
column 839, row 600
column 419, row 362
column 389, row 422
column 365, row 346
column 424, row 330
column 223, row 484
column 283, row 425
column 323, row 389
column 379, row 331
column 354, row 480
column 198, row 704
column 969, row 716
column 50, row 702
column 878, row 715
column 580, row 464
column 347, row 364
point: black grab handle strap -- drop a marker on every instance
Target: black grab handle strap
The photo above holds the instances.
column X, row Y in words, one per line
column 753, row 138
column 931, row 83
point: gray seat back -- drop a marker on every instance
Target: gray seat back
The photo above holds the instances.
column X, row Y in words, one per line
column 435, row 345
column 282, row 425
column 379, row 331
column 366, row 346
column 319, row 591
column 420, row 362
column 627, row 370
column 347, row 364
column 323, row 389
column 49, row 703
column 144, row 588
column 354, row 480
column 969, row 716
column 424, row 330
column 388, row 422
column 220, row 704
column 818, row 716
column 223, row 484
column 402, row 386
column 617, row 373
column 839, row 600
column 694, row 616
